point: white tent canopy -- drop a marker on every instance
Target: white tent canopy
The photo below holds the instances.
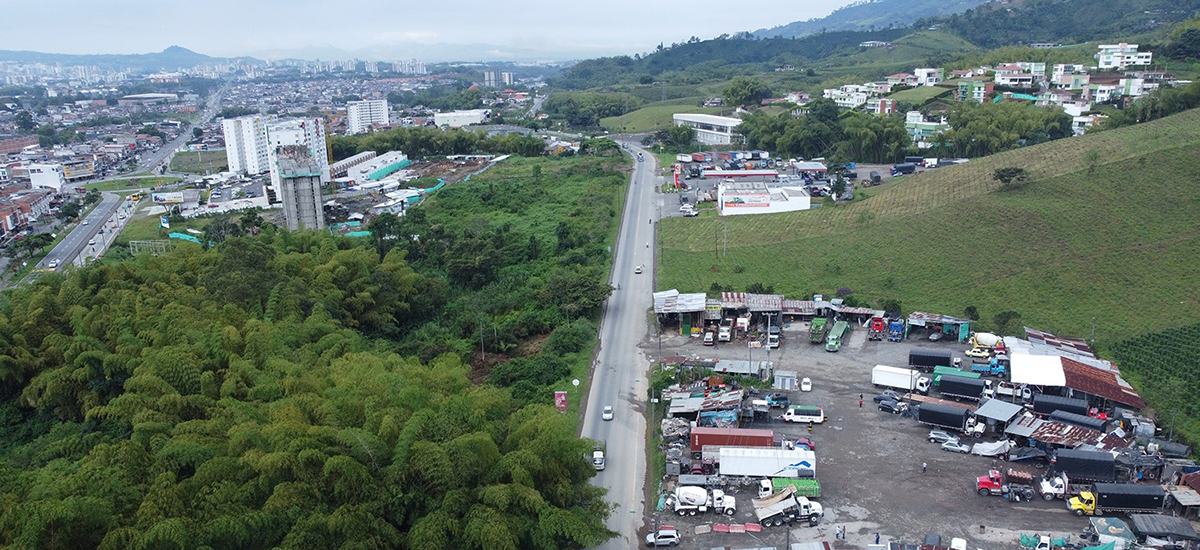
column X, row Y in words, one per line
column 1038, row 370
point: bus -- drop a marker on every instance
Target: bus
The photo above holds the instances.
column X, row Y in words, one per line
column 836, row 335
column 804, row 413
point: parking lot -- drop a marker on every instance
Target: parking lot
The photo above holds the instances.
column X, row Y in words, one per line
column 869, row 462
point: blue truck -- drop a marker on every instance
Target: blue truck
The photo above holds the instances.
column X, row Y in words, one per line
column 994, row 367
column 895, row 331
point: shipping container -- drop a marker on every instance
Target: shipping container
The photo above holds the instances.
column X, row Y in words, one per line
column 736, row 437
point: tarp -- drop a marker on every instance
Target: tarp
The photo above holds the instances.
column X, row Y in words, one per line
column 991, row 449
column 1113, row 530
column 1037, row 370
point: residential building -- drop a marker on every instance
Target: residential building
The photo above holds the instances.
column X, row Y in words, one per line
column 799, row 98
column 246, row 150
column 300, row 185
column 711, row 129
column 409, row 67
column 1067, row 68
column 1120, row 56
column 921, row 130
column 849, row 96
column 902, row 79
column 13, row 145
column 361, row 116
column 974, row 90
column 962, row 73
column 78, row 169
column 928, row 77
column 1044, row 45
column 1016, row 80
column 458, row 119
column 497, row 79
column 874, row 44
column 49, row 176
column 1038, row 70
column 879, row 87
column 308, row 133
column 881, row 105
column 1080, row 124
column 33, row 204
column 1007, row 69
column 1071, row 81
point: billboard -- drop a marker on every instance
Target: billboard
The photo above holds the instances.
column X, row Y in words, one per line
column 754, row 199
column 560, row 401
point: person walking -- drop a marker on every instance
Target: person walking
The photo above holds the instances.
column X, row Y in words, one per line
column 876, row 538
column 860, row 402
column 924, row 466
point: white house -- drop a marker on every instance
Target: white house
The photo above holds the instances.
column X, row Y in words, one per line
column 711, row 129
column 1120, row 56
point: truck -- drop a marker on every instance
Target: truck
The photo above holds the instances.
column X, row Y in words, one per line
column 989, row 369
column 962, row 387
column 725, row 330
column 834, row 341
column 1118, row 497
column 1045, row 404
column 1013, row 392
column 926, row 359
column 1060, row 486
column 766, row 462
column 740, row 437
column 1014, row 484
column 945, row 416
column 688, row 501
column 939, row 372
column 986, row 340
column 785, row 507
column 909, row 380
column 878, row 328
column 895, row 331
column 904, row 168
column 683, row 157
column 803, row 487
column 817, row 331
column 698, row 157
column 804, row 413
column 1086, row 465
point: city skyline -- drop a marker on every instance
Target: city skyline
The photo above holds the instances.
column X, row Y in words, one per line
column 472, row 31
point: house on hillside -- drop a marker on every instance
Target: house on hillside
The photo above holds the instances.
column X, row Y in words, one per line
column 902, row 79
column 928, row 77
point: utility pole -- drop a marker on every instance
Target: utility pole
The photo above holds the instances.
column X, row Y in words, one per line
column 1093, row 334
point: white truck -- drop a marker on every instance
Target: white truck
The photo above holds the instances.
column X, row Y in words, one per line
column 725, row 331
column 1059, row 486
column 909, row 380
column 688, row 501
column 785, row 507
column 767, row 462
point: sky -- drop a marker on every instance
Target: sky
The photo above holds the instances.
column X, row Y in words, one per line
column 387, row 30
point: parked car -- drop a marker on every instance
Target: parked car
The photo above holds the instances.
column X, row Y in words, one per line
column 935, row 336
column 933, row 539
column 776, row 399
column 806, row 443
column 85, row 222
column 665, row 536
column 806, row 384
column 608, row 413
column 892, row 406
column 710, row 338
column 887, row 395
column 940, row 436
column 978, row 353
column 956, row 446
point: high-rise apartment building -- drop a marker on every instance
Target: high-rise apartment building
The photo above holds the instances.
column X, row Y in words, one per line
column 299, row 187
column 308, row 133
column 360, row 115
column 246, row 149
column 496, row 79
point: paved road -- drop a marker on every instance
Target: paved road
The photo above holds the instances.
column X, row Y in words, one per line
column 163, row 154
column 75, row 246
column 619, row 377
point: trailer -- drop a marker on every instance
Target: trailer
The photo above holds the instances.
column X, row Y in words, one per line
column 818, row 329
column 962, row 387
column 944, row 416
column 1080, row 420
column 926, row 359
column 939, row 372
column 738, row 437
column 1086, row 465
column 785, row 507
column 836, row 335
column 1045, row 404
column 698, row 157
column 903, row 379
column 804, row 487
column 1118, row 497
column 767, row 462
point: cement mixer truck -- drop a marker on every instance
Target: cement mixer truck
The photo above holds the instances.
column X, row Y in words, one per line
column 687, row 501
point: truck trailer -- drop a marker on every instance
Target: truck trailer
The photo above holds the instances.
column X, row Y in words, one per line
column 1045, row 404
column 785, row 507
column 939, row 372
column 734, row 437
column 962, row 387
column 838, row 333
column 926, row 359
column 1118, row 497
column 817, row 330
column 944, row 416
column 1080, row 420
column 804, row 487
column 1086, row 465
column 909, row 380
column 767, row 462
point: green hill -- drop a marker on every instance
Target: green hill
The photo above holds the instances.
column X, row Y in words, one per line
column 1110, row 234
column 869, row 14
column 653, row 117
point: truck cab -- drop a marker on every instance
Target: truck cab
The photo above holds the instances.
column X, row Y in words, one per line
column 725, row 331
column 1084, row 504
column 1014, row 483
column 878, row 327
column 895, row 331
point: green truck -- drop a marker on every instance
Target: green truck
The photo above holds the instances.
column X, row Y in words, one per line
column 836, row 335
column 816, row 332
column 939, row 371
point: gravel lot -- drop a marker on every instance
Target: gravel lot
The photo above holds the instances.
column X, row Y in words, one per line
column 869, row 462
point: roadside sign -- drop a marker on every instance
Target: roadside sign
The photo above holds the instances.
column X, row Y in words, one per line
column 560, row 401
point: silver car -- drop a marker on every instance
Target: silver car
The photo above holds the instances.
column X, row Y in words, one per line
column 956, row 446
column 940, row 436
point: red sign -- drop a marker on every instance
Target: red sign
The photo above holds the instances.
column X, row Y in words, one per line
column 560, row 401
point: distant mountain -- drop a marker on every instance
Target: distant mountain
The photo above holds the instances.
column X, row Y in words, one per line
column 174, row 57
column 870, row 15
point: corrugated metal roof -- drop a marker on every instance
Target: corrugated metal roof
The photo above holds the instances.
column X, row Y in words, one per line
column 1058, row 433
column 1024, row 426
column 999, row 410
column 921, row 317
column 1186, row 496
column 752, row 302
column 1100, row 383
column 671, row 301
column 1069, row 345
column 733, row 300
column 800, row 307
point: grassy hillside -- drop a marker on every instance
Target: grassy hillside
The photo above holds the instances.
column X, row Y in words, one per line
column 869, row 14
column 653, row 117
column 920, row 95
column 1110, row 234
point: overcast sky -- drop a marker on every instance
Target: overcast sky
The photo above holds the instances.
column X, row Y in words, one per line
column 385, row 29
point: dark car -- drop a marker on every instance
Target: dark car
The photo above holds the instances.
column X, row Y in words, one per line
column 777, row 400
column 887, row 395
column 891, row 406
column 933, row 539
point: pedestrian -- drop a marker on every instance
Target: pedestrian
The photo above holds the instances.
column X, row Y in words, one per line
column 924, row 466
column 876, row 538
column 838, row 533
column 843, row 532
column 860, row 402
column 810, row 427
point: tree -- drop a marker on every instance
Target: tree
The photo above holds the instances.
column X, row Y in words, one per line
column 24, row 121
column 682, row 135
column 1007, row 322
column 1010, row 177
column 197, row 132
column 744, row 90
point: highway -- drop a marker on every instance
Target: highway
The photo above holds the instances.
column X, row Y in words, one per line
column 75, row 247
column 619, row 374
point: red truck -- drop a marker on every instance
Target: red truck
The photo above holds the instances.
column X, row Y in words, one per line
column 1015, row 484
column 878, row 327
column 730, row 437
column 697, row 157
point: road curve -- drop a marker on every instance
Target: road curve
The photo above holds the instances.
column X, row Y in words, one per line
column 619, row 374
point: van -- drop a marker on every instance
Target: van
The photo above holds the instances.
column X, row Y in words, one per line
column 803, row 413
column 904, row 168
column 876, row 178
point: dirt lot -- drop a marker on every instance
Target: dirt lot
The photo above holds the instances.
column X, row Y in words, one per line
column 869, row 462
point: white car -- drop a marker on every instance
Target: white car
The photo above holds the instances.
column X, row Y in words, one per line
column 806, row 384
column 53, row 264
column 978, row 353
column 637, row 270
column 608, row 413
column 85, row 222
column 92, row 242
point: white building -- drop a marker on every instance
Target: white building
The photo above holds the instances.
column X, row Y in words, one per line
column 378, row 168
column 848, row 96
column 361, row 115
column 928, row 77
column 307, row 132
column 246, row 143
column 49, row 176
column 458, row 119
column 711, row 129
column 1038, row 70
column 1120, row 56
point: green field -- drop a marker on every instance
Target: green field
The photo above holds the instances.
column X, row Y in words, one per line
column 1118, row 242
column 199, row 162
column 653, row 117
column 920, row 95
column 145, row 228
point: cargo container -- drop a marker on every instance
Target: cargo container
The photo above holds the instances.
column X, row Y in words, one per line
column 736, row 437
column 1086, row 465
column 1046, row 404
column 939, row 372
column 1118, row 497
column 926, row 359
column 761, row 462
column 902, row 379
column 725, row 156
column 698, row 157
column 804, row 487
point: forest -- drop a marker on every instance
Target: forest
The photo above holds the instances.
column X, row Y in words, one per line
column 419, row 142
column 304, row 390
